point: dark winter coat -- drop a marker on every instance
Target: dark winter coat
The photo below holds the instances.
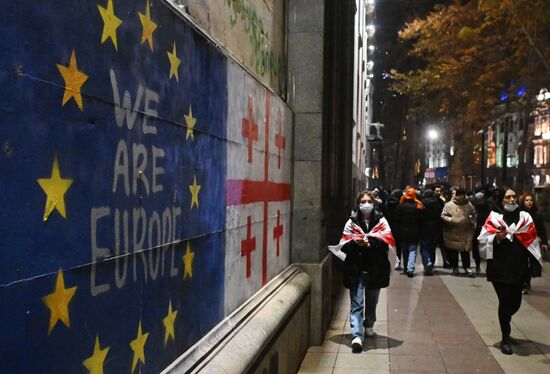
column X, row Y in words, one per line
column 482, row 212
column 538, row 219
column 373, row 259
column 409, row 222
column 390, row 212
column 431, row 221
column 510, row 262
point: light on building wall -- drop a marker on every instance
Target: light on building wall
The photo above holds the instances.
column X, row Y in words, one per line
column 370, row 2
column 543, row 95
column 371, row 48
column 371, row 29
column 370, row 65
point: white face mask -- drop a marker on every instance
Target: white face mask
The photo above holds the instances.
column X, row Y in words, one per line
column 366, row 208
column 510, row 208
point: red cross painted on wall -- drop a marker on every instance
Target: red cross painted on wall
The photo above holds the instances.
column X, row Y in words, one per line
column 278, row 231
column 248, row 245
column 243, row 192
column 279, row 143
column 250, row 129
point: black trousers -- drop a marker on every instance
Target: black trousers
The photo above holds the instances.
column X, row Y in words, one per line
column 453, row 258
column 509, row 301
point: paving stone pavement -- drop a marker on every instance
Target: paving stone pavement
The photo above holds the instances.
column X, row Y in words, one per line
column 439, row 324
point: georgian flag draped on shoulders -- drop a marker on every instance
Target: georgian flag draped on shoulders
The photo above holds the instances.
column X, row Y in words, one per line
column 353, row 231
column 524, row 231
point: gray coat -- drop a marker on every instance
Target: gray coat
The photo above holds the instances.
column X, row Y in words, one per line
column 460, row 224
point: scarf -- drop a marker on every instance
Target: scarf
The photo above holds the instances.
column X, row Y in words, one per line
column 353, row 231
column 524, row 231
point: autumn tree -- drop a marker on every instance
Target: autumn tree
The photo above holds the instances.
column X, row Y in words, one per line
column 468, row 53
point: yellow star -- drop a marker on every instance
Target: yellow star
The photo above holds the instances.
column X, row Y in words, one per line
column 168, row 322
column 148, row 26
column 194, row 188
column 94, row 363
column 55, row 188
column 110, row 23
column 188, row 262
column 74, row 79
column 190, row 121
column 58, row 302
column 174, row 63
column 138, row 345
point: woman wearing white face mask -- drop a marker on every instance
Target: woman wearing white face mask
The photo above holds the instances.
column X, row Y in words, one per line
column 366, row 265
column 508, row 241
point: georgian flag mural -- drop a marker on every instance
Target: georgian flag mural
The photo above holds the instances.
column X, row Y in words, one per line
column 258, row 188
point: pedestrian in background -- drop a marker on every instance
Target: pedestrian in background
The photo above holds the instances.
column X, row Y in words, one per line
column 409, row 221
column 460, row 220
column 508, row 241
column 527, row 203
column 390, row 213
column 482, row 212
column 441, row 203
column 495, row 200
column 429, row 231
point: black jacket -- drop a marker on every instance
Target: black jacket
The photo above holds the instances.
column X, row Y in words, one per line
column 409, row 221
column 390, row 212
column 373, row 259
column 510, row 262
column 431, row 216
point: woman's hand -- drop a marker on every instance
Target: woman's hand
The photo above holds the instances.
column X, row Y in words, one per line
column 362, row 242
column 501, row 234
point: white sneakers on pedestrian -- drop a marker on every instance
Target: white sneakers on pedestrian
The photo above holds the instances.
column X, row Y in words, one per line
column 398, row 265
column 357, row 345
column 369, row 331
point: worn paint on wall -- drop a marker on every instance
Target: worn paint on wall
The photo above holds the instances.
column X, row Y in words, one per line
column 253, row 31
column 118, row 147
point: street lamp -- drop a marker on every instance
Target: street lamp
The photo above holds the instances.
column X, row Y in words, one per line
column 433, row 134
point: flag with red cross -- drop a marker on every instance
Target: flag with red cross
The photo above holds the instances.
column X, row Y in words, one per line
column 257, row 188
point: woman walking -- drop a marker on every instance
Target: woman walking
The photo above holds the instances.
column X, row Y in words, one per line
column 364, row 243
column 527, row 203
column 508, row 241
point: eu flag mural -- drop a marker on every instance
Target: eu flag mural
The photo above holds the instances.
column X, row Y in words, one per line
column 113, row 126
column 145, row 186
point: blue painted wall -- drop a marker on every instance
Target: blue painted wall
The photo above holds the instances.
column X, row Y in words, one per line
column 36, row 129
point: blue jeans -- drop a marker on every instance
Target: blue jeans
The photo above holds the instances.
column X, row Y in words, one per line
column 424, row 252
column 357, row 296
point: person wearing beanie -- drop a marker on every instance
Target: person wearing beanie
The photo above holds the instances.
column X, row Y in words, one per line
column 459, row 216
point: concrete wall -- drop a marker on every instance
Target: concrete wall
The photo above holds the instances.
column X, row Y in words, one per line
column 146, row 186
column 252, row 31
column 267, row 334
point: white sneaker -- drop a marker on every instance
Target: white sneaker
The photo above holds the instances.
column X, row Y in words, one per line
column 369, row 331
column 398, row 266
column 357, row 344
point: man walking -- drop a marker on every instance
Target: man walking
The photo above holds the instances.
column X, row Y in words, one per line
column 460, row 222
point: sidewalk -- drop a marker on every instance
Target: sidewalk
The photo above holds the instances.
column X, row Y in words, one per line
column 439, row 324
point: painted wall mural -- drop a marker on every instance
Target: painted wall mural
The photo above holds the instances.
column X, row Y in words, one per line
column 253, row 31
column 145, row 184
